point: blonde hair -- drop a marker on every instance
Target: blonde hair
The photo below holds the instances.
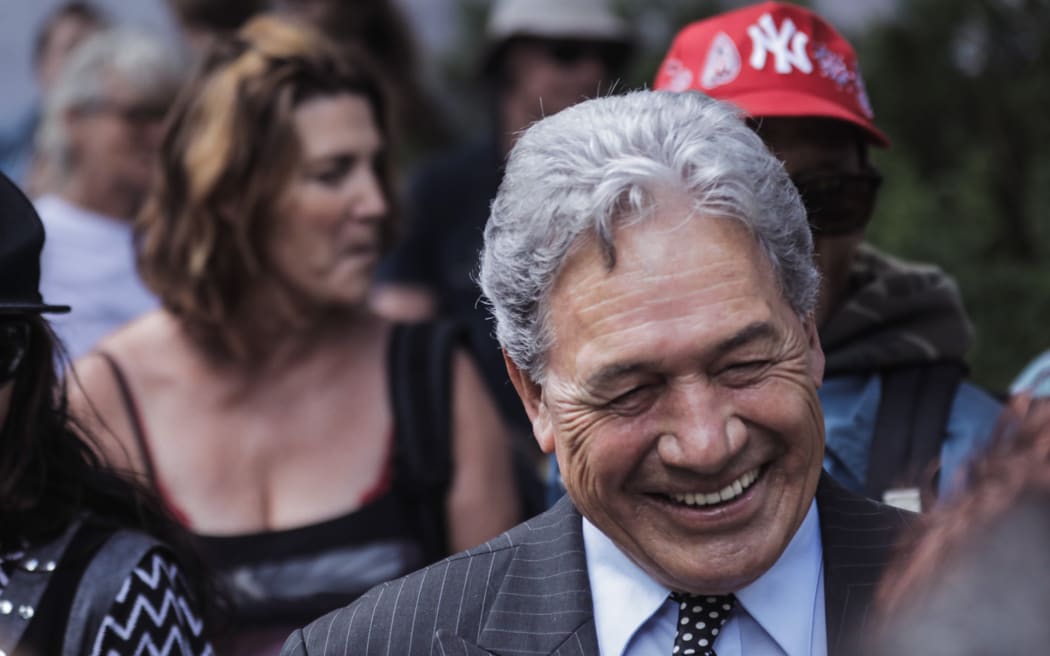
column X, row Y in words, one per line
column 228, row 154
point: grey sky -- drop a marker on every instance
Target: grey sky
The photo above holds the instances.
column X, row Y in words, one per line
column 435, row 23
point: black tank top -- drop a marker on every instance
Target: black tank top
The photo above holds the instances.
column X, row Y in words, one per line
column 280, row 580
column 290, row 577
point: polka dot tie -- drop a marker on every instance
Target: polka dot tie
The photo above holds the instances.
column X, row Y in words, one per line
column 700, row 618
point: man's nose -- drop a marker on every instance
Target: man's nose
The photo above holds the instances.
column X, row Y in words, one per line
column 702, row 432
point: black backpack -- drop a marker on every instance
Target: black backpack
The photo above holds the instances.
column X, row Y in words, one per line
column 421, row 389
column 910, row 426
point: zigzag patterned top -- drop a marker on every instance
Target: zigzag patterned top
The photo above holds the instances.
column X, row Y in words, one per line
column 152, row 614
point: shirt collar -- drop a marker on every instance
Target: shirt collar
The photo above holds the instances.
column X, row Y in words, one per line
column 785, row 599
column 796, row 576
column 614, row 577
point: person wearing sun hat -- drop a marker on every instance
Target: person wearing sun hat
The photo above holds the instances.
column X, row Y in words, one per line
column 538, row 57
column 83, row 551
column 897, row 406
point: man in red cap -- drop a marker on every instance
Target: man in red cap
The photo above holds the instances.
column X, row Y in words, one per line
column 896, row 406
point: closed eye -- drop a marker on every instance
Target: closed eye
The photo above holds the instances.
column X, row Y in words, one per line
column 747, row 364
column 744, row 372
column 633, row 400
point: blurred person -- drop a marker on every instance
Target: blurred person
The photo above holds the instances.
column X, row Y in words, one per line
column 898, row 409
column 202, row 21
column 976, row 578
column 264, row 400
column 541, row 57
column 84, row 568
column 59, row 34
column 102, row 127
column 650, row 270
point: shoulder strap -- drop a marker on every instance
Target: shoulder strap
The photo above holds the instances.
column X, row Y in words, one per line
column 138, row 430
column 25, row 589
column 100, row 585
column 421, row 389
column 910, row 425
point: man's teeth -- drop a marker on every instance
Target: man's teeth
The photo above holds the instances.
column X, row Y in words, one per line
column 731, row 491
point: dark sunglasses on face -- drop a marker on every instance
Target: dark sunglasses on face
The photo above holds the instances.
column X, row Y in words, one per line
column 14, row 343
column 569, row 52
column 838, row 203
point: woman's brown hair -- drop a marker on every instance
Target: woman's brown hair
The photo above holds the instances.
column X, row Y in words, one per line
column 229, row 151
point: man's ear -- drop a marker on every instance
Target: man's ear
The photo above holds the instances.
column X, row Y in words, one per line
column 532, row 398
column 816, row 353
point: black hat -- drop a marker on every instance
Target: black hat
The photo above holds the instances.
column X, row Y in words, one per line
column 21, row 238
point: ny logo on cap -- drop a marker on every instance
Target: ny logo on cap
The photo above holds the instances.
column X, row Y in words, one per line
column 787, row 45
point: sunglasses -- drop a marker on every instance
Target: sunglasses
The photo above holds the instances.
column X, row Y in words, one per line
column 568, row 52
column 838, row 203
column 14, row 343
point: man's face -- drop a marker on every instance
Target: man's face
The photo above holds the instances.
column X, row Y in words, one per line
column 681, row 400
column 115, row 139
column 814, row 147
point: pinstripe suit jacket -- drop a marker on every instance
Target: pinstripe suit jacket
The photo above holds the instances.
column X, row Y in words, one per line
column 527, row 591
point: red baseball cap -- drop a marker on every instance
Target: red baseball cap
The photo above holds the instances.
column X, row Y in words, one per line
column 771, row 59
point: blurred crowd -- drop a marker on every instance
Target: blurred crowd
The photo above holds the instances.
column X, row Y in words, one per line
column 270, row 374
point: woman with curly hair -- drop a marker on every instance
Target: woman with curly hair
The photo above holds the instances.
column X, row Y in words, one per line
column 264, row 400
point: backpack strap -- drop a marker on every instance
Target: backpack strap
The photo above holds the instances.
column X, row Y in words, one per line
column 420, row 371
column 25, row 590
column 100, row 585
column 910, row 426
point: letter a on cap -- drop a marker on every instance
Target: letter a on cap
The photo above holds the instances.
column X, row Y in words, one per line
column 722, row 64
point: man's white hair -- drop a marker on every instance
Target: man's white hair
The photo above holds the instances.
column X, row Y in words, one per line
column 576, row 174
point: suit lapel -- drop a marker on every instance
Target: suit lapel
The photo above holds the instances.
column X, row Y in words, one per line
column 543, row 604
column 858, row 536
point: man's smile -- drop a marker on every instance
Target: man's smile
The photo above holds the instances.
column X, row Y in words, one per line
column 727, row 493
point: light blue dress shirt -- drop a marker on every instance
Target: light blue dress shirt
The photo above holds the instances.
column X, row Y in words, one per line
column 781, row 613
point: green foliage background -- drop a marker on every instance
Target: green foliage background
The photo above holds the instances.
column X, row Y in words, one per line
column 962, row 88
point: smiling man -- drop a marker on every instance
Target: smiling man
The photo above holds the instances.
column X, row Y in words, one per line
column 649, row 266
